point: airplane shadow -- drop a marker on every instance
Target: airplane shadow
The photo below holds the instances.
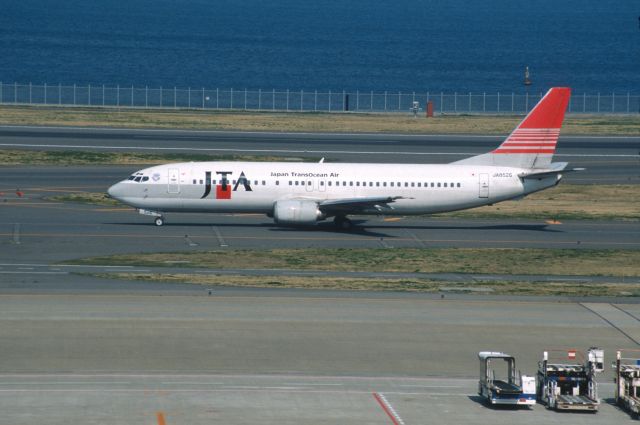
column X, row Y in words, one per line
column 183, row 224
column 360, row 227
column 518, row 227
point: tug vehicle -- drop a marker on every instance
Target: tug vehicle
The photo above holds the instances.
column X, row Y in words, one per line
column 569, row 384
column 627, row 379
column 501, row 384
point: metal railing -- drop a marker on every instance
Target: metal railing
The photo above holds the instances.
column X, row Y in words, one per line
column 302, row 100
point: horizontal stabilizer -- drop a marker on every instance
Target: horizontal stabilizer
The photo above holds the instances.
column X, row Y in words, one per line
column 555, row 169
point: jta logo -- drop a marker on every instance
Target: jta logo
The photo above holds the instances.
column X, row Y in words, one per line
column 223, row 188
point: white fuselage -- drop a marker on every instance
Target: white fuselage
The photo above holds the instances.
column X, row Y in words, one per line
column 254, row 187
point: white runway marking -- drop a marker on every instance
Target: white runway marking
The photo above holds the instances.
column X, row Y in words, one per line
column 288, row 151
column 279, row 133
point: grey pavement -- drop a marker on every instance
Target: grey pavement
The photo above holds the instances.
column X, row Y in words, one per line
column 607, row 159
column 85, row 350
column 241, row 399
column 125, row 359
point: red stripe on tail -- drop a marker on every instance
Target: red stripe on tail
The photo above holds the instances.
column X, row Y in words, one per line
column 540, row 129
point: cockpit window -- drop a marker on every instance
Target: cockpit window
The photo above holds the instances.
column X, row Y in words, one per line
column 132, row 177
column 138, row 178
column 145, row 178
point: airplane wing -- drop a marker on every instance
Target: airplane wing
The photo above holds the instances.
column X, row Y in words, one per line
column 555, row 169
column 357, row 205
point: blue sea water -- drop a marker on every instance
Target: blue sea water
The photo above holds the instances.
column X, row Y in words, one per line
column 409, row 45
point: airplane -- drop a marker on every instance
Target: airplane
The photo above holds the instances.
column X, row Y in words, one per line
column 307, row 193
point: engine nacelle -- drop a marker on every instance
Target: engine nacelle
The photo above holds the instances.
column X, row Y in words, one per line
column 296, row 212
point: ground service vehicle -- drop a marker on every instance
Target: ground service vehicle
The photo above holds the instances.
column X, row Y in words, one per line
column 501, row 384
column 627, row 379
column 570, row 385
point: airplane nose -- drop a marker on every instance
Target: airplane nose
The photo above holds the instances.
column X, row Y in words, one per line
column 115, row 191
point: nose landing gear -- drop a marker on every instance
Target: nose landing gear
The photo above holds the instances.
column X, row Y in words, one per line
column 158, row 220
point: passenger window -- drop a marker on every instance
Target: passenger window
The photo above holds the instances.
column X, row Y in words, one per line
column 413, row 184
column 432, row 184
column 329, row 183
column 277, row 182
column 384, row 184
column 264, row 183
column 350, row 183
column 458, row 184
column 321, row 183
column 297, row 183
column 357, row 183
column 419, row 184
column 406, row 184
column 445, row 185
column 309, row 183
column 438, row 184
column 377, row 184
column 370, row 184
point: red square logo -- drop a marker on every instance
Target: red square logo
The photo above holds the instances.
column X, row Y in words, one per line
column 223, row 193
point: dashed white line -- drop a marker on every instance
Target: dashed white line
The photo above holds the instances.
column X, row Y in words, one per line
column 288, row 151
column 279, row 133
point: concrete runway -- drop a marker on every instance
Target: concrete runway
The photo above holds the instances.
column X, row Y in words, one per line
column 607, row 159
column 290, row 358
column 80, row 350
column 33, row 230
column 86, row 350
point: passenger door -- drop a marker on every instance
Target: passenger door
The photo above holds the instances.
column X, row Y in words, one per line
column 173, row 185
column 483, row 186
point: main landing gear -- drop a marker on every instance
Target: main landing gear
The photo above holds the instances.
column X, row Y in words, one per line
column 159, row 221
column 342, row 222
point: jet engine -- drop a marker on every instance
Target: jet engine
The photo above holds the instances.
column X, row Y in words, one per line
column 296, row 212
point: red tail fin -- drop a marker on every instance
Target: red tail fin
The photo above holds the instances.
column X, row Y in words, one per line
column 533, row 142
column 538, row 132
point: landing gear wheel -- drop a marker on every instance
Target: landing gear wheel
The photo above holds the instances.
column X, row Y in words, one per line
column 343, row 223
column 159, row 221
